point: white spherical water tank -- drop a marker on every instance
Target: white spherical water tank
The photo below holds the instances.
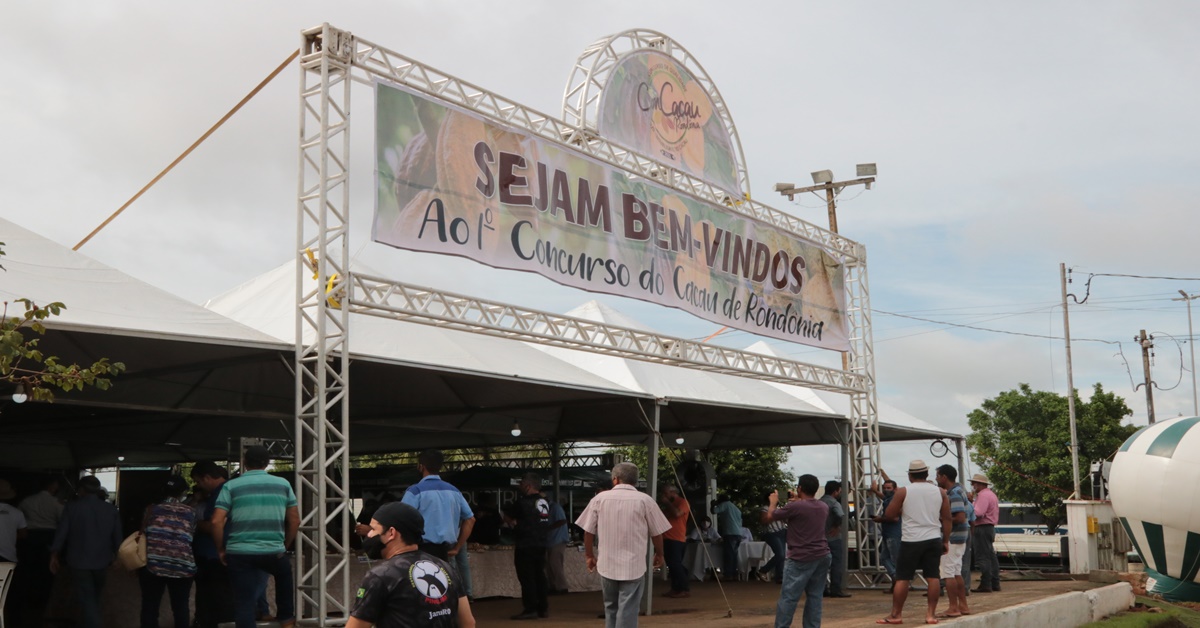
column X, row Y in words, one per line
column 1155, row 489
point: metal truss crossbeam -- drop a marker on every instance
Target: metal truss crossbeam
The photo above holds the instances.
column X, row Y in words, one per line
column 385, row 298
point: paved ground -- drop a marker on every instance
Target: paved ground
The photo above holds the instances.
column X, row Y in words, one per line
column 754, row 605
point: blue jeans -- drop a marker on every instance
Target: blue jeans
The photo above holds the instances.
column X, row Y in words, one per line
column 807, row 577
column 244, row 575
column 729, row 546
column 889, row 554
column 262, row 607
column 462, row 563
column 777, row 541
column 837, row 575
column 622, row 602
column 88, row 585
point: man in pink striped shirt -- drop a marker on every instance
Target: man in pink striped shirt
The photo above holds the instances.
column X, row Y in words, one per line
column 625, row 519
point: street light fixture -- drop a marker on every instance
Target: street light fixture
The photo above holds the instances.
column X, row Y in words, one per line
column 1191, row 345
column 824, row 180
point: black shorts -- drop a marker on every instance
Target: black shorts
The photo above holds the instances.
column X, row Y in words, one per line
column 923, row 555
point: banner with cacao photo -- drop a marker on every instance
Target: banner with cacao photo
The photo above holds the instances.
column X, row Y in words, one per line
column 449, row 181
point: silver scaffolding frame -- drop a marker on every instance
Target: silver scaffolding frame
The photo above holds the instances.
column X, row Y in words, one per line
column 333, row 59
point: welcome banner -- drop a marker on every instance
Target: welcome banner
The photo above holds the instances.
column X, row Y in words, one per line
column 448, row 181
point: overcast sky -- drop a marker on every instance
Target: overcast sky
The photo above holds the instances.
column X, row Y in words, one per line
column 1009, row 137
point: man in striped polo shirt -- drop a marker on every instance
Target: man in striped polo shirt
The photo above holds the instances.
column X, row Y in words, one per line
column 266, row 519
column 960, row 533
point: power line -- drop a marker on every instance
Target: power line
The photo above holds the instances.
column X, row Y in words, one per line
column 995, row 331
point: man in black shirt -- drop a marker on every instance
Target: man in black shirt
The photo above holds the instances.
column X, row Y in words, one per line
column 531, row 516
column 407, row 588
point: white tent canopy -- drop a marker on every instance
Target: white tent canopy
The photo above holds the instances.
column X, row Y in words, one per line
column 199, row 376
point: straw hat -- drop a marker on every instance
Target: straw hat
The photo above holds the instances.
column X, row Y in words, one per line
column 980, row 478
column 917, row 466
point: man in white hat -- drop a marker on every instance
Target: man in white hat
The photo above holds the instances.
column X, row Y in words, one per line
column 983, row 534
column 924, row 513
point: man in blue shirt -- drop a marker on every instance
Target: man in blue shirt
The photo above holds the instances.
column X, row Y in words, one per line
column 448, row 517
column 556, row 549
column 214, row 594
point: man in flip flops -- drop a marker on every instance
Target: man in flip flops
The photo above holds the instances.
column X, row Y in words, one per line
column 924, row 513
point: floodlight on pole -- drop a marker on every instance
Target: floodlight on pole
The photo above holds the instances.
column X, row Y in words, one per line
column 1187, row 299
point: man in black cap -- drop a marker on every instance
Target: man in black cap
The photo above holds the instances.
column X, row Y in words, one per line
column 408, row 588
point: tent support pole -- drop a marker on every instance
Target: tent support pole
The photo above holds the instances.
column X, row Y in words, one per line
column 556, row 465
column 652, row 486
column 962, row 463
column 847, row 482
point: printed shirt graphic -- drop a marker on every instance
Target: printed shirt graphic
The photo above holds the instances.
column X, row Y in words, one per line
column 169, row 529
column 532, row 513
column 408, row 590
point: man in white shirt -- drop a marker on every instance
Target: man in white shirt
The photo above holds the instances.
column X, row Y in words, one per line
column 924, row 513
column 12, row 524
column 34, row 580
column 625, row 519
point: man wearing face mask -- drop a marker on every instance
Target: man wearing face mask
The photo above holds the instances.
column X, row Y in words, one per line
column 408, row 588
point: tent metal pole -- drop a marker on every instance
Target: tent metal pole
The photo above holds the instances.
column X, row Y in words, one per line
column 962, row 463
column 847, row 483
column 652, row 485
column 556, row 465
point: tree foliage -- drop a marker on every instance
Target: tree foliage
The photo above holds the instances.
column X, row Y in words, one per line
column 1021, row 440
column 21, row 362
column 745, row 474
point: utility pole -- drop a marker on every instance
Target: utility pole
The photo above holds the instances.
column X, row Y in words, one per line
column 824, row 181
column 1062, row 273
column 1191, row 345
column 1147, row 344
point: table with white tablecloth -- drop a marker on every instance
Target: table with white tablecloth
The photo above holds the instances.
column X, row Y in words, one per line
column 493, row 574
column 751, row 555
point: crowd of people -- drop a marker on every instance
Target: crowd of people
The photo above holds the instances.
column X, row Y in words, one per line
column 231, row 535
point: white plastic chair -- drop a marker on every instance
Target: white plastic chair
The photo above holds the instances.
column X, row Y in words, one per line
column 6, row 571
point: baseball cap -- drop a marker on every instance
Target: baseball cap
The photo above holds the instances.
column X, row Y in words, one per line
column 175, row 484
column 403, row 517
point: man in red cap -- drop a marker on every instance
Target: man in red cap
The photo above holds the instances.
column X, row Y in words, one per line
column 407, row 588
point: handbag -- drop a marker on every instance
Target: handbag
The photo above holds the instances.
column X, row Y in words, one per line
column 132, row 553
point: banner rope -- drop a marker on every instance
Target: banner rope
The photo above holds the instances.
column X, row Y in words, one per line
column 189, row 150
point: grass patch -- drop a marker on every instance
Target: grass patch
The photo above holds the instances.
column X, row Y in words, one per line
column 1171, row 616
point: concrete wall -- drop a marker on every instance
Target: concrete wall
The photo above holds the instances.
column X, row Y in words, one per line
column 1062, row 611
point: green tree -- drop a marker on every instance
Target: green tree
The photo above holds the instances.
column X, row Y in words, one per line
column 745, row 474
column 23, row 364
column 1021, row 439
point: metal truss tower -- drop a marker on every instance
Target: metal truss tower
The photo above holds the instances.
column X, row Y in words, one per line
column 322, row 353
column 331, row 60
